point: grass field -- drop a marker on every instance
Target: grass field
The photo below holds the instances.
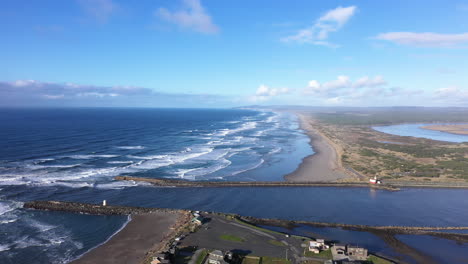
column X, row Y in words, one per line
column 231, row 238
column 276, row 243
column 326, row 254
column 251, row 260
column 270, row 260
column 377, row 260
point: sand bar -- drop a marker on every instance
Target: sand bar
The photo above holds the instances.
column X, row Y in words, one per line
column 458, row 129
column 142, row 234
column 324, row 164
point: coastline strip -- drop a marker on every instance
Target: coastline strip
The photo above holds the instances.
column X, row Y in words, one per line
column 325, row 163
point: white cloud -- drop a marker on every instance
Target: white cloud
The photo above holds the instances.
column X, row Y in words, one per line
column 331, row 21
column 343, row 87
column 100, row 10
column 341, row 82
column 192, row 16
column 369, row 82
column 425, row 39
column 56, row 96
column 451, row 94
column 265, row 93
column 22, row 83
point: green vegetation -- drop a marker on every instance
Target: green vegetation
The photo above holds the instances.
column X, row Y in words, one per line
column 232, row 238
column 251, row 260
column 276, row 243
column 266, row 230
column 326, row 254
column 257, row 227
column 271, row 260
column 449, row 160
column 376, row 260
column 202, row 257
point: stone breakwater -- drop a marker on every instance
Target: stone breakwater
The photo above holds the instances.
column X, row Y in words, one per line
column 95, row 209
column 182, row 183
column 87, row 208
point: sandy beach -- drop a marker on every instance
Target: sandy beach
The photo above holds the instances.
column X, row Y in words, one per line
column 324, row 164
column 141, row 235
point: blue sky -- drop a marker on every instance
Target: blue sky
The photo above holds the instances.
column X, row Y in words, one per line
column 213, row 53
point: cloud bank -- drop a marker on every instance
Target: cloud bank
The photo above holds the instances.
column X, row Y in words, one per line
column 265, row 93
column 425, row 39
column 24, row 93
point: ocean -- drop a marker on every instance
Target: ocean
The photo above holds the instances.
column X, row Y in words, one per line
column 73, row 154
column 66, row 153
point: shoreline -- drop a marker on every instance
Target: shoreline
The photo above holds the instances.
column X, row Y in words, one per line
column 129, row 219
column 130, row 239
column 144, row 233
column 454, row 129
column 324, row 164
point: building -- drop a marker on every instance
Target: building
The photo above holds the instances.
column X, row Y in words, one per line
column 215, row 257
column 339, row 252
column 356, row 253
column 317, row 245
column 198, row 220
column 374, row 180
column 160, row 258
column 342, row 252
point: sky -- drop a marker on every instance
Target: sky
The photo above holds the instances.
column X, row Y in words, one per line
column 219, row 53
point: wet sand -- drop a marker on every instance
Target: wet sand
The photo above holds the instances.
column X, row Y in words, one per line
column 457, row 129
column 324, row 164
column 142, row 234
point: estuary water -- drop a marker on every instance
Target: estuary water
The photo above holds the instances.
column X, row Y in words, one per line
column 416, row 130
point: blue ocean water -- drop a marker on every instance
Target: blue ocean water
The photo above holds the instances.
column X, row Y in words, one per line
column 416, row 130
column 64, row 154
column 72, row 155
column 86, row 147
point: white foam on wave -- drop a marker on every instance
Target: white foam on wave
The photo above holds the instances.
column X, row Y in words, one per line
column 4, row 247
column 249, row 168
column 45, row 160
column 131, row 147
column 91, row 156
column 120, row 162
column 8, row 221
column 40, row 226
column 39, row 167
column 147, row 157
column 245, row 126
column 8, row 206
column 275, row 150
column 193, row 173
